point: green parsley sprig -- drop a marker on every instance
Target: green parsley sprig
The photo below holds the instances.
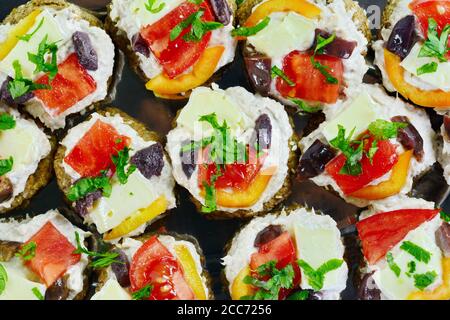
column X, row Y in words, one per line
column 198, row 30
column 6, row 165
column 27, row 251
column 143, row 293
column 100, row 259
column 87, row 185
column 40, row 60
column 7, row 121
column 353, row 155
column 121, row 160
column 250, row 31
column 324, row 70
column 423, row 280
column 316, row 278
column 277, row 72
column 150, row 6
column 27, row 37
column 20, row 85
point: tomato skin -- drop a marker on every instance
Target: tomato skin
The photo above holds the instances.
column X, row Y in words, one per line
column 381, row 232
column 383, row 161
column 93, row 152
column 154, row 264
column 71, row 84
column 310, row 84
column 53, row 255
column 439, row 10
column 178, row 55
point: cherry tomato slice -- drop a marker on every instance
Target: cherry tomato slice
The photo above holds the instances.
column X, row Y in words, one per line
column 439, row 10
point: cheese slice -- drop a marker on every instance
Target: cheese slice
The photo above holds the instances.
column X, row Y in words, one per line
column 438, row 79
column 146, row 17
column 18, row 286
column 318, row 241
column 111, row 290
column 285, row 32
column 358, row 115
column 125, row 199
column 20, row 52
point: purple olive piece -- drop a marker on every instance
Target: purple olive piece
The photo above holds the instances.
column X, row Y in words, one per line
column 121, row 268
column 140, row 45
column 339, row 47
column 188, row 159
column 6, row 189
column 262, row 136
column 5, row 95
column 221, row 10
column 368, row 289
column 314, row 160
column 149, row 161
column 443, row 239
column 403, row 37
column 267, row 234
column 58, row 290
column 85, row 204
column 258, row 69
column 85, row 51
column 447, row 126
column 409, row 137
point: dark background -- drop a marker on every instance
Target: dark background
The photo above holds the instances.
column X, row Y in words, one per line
column 131, row 96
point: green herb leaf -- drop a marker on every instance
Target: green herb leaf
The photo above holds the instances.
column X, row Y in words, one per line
column 87, row 185
column 200, row 28
column 149, row 6
column 40, row 60
column 304, row 107
column 37, row 293
column 353, row 155
column 435, row 46
column 250, row 31
column 423, row 280
column 411, row 268
column 6, row 165
column 19, row 85
column 27, row 251
column 417, row 252
column 210, row 193
column 143, row 293
column 239, row 2
column 427, row 68
column 7, row 121
column 277, row 72
column 384, row 130
column 445, row 216
column 299, row 295
column 392, row 265
column 27, row 37
column 317, row 277
column 121, row 161
column 178, row 29
column 100, row 259
column 372, row 150
column 3, row 278
column 323, row 42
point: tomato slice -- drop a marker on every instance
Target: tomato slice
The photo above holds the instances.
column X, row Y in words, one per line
column 53, row 255
column 383, row 161
column 154, row 264
column 93, row 152
column 71, row 84
column 381, row 232
column 282, row 250
column 439, row 10
column 310, row 84
column 237, row 175
column 178, row 55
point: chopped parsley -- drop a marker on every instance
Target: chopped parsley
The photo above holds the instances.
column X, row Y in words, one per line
column 150, row 6
column 198, row 30
column 392, row 265
column 372, row 150
column 435, row 46
column 384, row 130
column 411, row 268
column 7, row 121
column 87, row 185
column 27, row 251
column 347, row 145
column 277, row 279
column 27, row 37
column 210, row 193
column 299, row 295
column 121, row 160
column 417, row 252
column 304, row 107
column 317, row 277
column 277, row 72
column 324, row 70
column 250, row 31
column 427, row 68
column 6, row 165
column 100, row 259
column 37, row 293
column 20, row 85
column 143, row 293
column 445, row 216
column 39, row 59
column 423, row 280
column 3, row 278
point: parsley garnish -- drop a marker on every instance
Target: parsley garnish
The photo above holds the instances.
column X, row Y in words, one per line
column 3, row 278
column 100, row 259
column 427, row 68
column 37, row 293
column 150, row 3
column 27, row 37
column 7, row 121
column 392, row 265
column 210, row 193
column 423, row 280
column 299, row 295
column 143, row 293
column 417, row 252
column 346, row 145
column 20, row 86
column 445, row 216
column 321, row 43
column 317, row 277
column 435, row 46
column 39, row 58
column 87, row 185
column 198, row 30
column 372, row 150
column 411, row 268
column 384, row 130
column 304, row 107
column 6, row 165
column 250, row 31
column 277, row 72
column 278, row 279
column 27, row 251
column 121, row 161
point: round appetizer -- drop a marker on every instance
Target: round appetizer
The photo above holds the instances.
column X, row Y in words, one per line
column 305, row 54
column 444, row 155
column 155, row 267
column 369, row 147
column 26, row 157
column 406, row 246
column 54, row 59
column 40, row 259
column 233, row 151
column 412, row 53
column 115, row 173
column 300, row 248
column 174, row 45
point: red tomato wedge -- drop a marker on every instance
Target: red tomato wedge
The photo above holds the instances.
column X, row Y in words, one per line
column 178, row 55
column 282, row 250
column 439, row 10
column 310, row 84
column 381, row 232
column 236, row 175
column 53, row 255
column 71, row 84
column 93, row 152
column 153, row 264
column 383, row 161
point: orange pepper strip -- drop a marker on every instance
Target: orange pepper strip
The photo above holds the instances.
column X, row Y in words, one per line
column 191, row 274
column 202, row 71
column 239, row 288
column 424, row 98
column 390, row 187
column 440, row 293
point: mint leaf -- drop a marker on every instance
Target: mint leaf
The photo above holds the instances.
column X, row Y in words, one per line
column 392, row 265
column 417, row 252
column 250, row 31
column 7, row 121
column 277, row 72
column 317, row 277
column 421, row 281
column 6, row 165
